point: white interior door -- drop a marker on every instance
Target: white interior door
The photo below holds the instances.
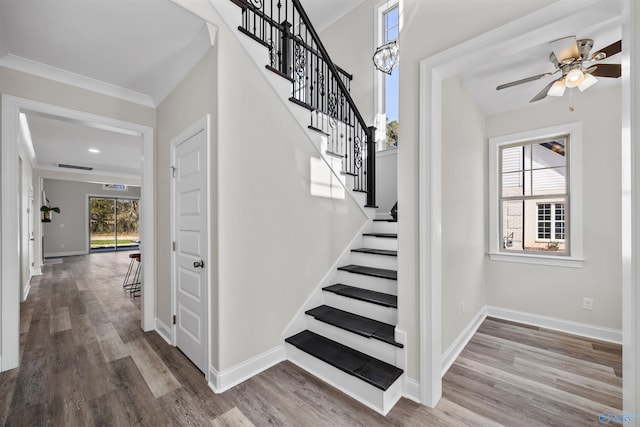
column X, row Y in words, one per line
column 191, row 242
column 32, row 239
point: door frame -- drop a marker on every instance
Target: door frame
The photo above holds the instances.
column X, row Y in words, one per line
column 201, row 125
column 9, row 294
column 435, row 69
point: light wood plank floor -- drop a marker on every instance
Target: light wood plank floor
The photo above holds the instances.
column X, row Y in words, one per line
column 85, row 361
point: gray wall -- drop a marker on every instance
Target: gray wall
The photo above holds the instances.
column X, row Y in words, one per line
column 68, row 231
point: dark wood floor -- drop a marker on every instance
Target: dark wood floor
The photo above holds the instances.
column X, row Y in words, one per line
column 85, row 361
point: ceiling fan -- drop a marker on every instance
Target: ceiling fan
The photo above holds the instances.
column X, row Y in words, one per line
column 579, row 69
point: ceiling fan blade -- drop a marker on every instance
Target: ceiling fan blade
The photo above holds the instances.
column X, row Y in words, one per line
column 607, row 70
column 543, row 93
column 609, row 51
column 565, row 49
column 522, row 81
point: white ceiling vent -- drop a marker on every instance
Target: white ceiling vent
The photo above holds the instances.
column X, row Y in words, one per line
column 84, row 168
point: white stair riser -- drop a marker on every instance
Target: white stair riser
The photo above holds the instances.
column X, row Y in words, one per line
column 377, row 284
column 376, row 399
column 373, row 311
column 371, row 346
column 380, row 243
column 384, row 227
column 373, row 260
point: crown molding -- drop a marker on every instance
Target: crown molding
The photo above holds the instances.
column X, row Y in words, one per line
column 39, row 69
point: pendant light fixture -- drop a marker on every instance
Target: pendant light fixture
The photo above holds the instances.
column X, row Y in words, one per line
column 386, row 57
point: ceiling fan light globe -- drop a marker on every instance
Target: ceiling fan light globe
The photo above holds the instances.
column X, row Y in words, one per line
column 557, row 89
column 574, row 78
column 587, row 82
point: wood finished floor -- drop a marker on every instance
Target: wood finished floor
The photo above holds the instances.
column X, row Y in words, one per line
column 85, row 361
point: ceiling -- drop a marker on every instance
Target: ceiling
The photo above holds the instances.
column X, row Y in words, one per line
column 137, row 50
column 140, row 50
column 529, row 56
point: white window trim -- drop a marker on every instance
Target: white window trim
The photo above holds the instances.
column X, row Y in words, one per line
column 575, row 231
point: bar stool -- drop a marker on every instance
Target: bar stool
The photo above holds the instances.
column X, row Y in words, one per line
column 133, row 286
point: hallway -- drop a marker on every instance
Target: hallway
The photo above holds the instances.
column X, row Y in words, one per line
column 85, row 361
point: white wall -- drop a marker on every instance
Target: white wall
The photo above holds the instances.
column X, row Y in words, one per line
column 276, row 240
column 68, row 231
column 386, row 180
column 191, row 100
column 464, row 208
column 558, row 291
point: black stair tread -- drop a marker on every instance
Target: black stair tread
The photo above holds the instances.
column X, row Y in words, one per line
column 348, row 173
column 376, row 251
column 355, row 323
column 371, row 370
column 366, row 295
column 278, row 72
column 301, row 103
column 383, row 235
column 315, row 129
column 370, row 271
column 385, row 220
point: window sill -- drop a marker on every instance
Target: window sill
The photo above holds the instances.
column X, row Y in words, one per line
column 555, row 261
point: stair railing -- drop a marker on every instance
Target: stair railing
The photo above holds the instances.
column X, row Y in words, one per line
column 297, row 53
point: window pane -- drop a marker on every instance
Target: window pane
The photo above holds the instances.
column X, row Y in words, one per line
column 512, row 225
column 512, row 159
column 548, row 154
column 512, row 184
column 548, row 181
column 391, row 24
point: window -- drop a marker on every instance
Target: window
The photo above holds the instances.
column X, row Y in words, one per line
column 535, row 196
column 388, row 84
column 551, row 222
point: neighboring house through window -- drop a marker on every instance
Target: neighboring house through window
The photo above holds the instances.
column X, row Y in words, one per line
column 388, row 30
column 536, row 196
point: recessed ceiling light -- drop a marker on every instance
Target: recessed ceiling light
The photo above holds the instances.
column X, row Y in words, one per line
column 94, row 150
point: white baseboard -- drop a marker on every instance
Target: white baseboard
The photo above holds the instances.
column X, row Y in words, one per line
column 25, row 290
column 164, row 331
column 411, row 389
column 454, row 350
column 575, row 328
column 61, row 254
column 228, row 378
column 36, row 271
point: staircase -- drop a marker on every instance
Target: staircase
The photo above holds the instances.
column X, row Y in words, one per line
column 346, row 335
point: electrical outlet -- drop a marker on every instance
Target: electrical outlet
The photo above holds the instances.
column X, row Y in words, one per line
column 587, row 303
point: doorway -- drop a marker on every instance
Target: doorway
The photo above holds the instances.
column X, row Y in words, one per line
column 113, row 224
column 10, row 238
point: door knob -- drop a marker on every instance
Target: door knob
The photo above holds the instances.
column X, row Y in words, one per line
column 198, row 264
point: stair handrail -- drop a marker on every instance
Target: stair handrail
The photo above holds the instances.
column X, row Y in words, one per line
column 364, row 173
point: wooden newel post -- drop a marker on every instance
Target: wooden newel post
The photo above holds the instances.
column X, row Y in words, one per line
column 285, row 60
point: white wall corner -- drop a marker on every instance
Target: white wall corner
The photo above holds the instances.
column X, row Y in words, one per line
column 222, row 381
column 456, row 347
column 166, row 332
column 411, row 389
column 561, row 325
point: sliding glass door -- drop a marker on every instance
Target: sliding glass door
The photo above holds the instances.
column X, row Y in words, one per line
column 113, row 223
